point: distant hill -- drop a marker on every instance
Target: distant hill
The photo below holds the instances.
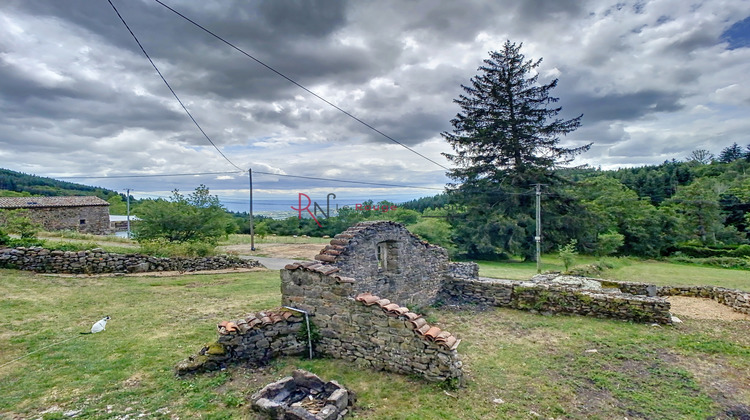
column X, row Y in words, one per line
column 36, row 185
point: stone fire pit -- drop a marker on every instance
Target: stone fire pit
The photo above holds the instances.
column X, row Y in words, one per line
column 303, row 396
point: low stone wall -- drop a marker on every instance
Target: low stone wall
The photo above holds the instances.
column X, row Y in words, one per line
column 367, row 330
column 738, row 300
column 98, row 261
column 557, row 299
column 255, row 339
column 469, row 270
column 364, row 329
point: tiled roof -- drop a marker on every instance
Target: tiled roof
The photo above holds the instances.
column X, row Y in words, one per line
column 254, row 321
column 37, row 202
column 340, row 242
column 417, row 322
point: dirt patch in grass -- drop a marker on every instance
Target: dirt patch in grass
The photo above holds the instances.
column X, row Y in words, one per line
column 294, row 251
column 726, row 385
column 702, row 308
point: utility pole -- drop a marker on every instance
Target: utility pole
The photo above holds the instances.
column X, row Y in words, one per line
column 538, row 237
column 252, row 220
column 128, row 200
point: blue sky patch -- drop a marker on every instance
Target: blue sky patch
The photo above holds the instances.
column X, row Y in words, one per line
column 738, row 35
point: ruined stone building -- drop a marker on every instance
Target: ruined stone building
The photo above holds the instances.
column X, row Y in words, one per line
column 85, row 214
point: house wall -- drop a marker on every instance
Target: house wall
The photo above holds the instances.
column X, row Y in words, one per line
column 96, row 218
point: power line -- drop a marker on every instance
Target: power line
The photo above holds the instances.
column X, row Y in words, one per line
column 170, row 87
column 145, row 176
column 350, row 182
column 350, row 115
column 379, row 184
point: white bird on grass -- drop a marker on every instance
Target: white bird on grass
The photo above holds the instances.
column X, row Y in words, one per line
column 98, row 326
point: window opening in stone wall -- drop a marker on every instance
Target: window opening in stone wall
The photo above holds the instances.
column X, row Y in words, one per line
column 82, row 222
column 387, row 258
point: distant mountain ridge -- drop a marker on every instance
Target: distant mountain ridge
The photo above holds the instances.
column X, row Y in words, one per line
column 38, row 185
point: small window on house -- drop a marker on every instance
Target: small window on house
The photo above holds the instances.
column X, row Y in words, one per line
column 387, row 257
column 82, row 222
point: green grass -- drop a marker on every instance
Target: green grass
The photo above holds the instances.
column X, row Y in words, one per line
column 627, row 269
column 533, row 363
column 242, row 239
column 663, row 273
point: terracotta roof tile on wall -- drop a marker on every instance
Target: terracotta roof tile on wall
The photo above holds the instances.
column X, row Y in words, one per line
column 418, row 323
column 259, row 320
column 40, row 202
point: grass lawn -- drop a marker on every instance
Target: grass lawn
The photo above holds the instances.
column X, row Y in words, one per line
column 519, row 365
column 627, row 269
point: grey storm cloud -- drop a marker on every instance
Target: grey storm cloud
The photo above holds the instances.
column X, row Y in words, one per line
column 77, row 96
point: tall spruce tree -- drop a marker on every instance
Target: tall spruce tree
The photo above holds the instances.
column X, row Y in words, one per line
column 507, row 138
column 731, row 153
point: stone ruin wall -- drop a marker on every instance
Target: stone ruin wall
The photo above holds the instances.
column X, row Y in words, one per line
column 361, row 328
column 556, row 299
column 388, row 260
column 738, row 300
column 256, row 339
column 367, row 330
column 98, row 261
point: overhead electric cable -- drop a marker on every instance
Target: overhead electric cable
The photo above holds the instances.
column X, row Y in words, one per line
column 349, row 182
column 350, row 115
column 170, row 88
column 145, row 176
column 379, row 184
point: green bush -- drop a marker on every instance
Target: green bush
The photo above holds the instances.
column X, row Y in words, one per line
column 71, row 246
column 721, row 262
column 164, row 248
column 568, row 253
column 609, row 243
column 25, row 242
column 741, row 251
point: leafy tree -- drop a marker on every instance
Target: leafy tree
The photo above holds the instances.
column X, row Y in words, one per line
column 700, row 156
column 609, row 243
column 698, row 203
column 196, row 217
column 20, row 223
column 117, row 205
column 615, row 208
column 731, row 153
column 505, row 138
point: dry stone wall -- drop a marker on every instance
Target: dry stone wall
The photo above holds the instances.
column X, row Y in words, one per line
column 368, row 330
column 97, row 261
column 556, row 299
column 387, row 260
column 255, row 339
column 738, row 300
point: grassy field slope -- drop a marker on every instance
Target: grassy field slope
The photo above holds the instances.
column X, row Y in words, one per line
column 518, row 364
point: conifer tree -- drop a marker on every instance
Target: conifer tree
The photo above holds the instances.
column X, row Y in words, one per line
column 506, row 138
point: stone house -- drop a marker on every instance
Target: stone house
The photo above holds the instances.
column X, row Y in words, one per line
column 85, row 214
column 388, row 260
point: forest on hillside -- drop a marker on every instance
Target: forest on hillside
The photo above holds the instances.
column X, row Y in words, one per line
column 691, row 207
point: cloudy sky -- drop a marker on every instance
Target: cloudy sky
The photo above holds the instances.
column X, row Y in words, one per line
column 653, row 79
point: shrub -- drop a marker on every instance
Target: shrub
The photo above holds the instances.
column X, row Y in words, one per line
column 164, row 248
column 721, row 262
column 609, row 243
column 741, row 251
column 568, row 253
